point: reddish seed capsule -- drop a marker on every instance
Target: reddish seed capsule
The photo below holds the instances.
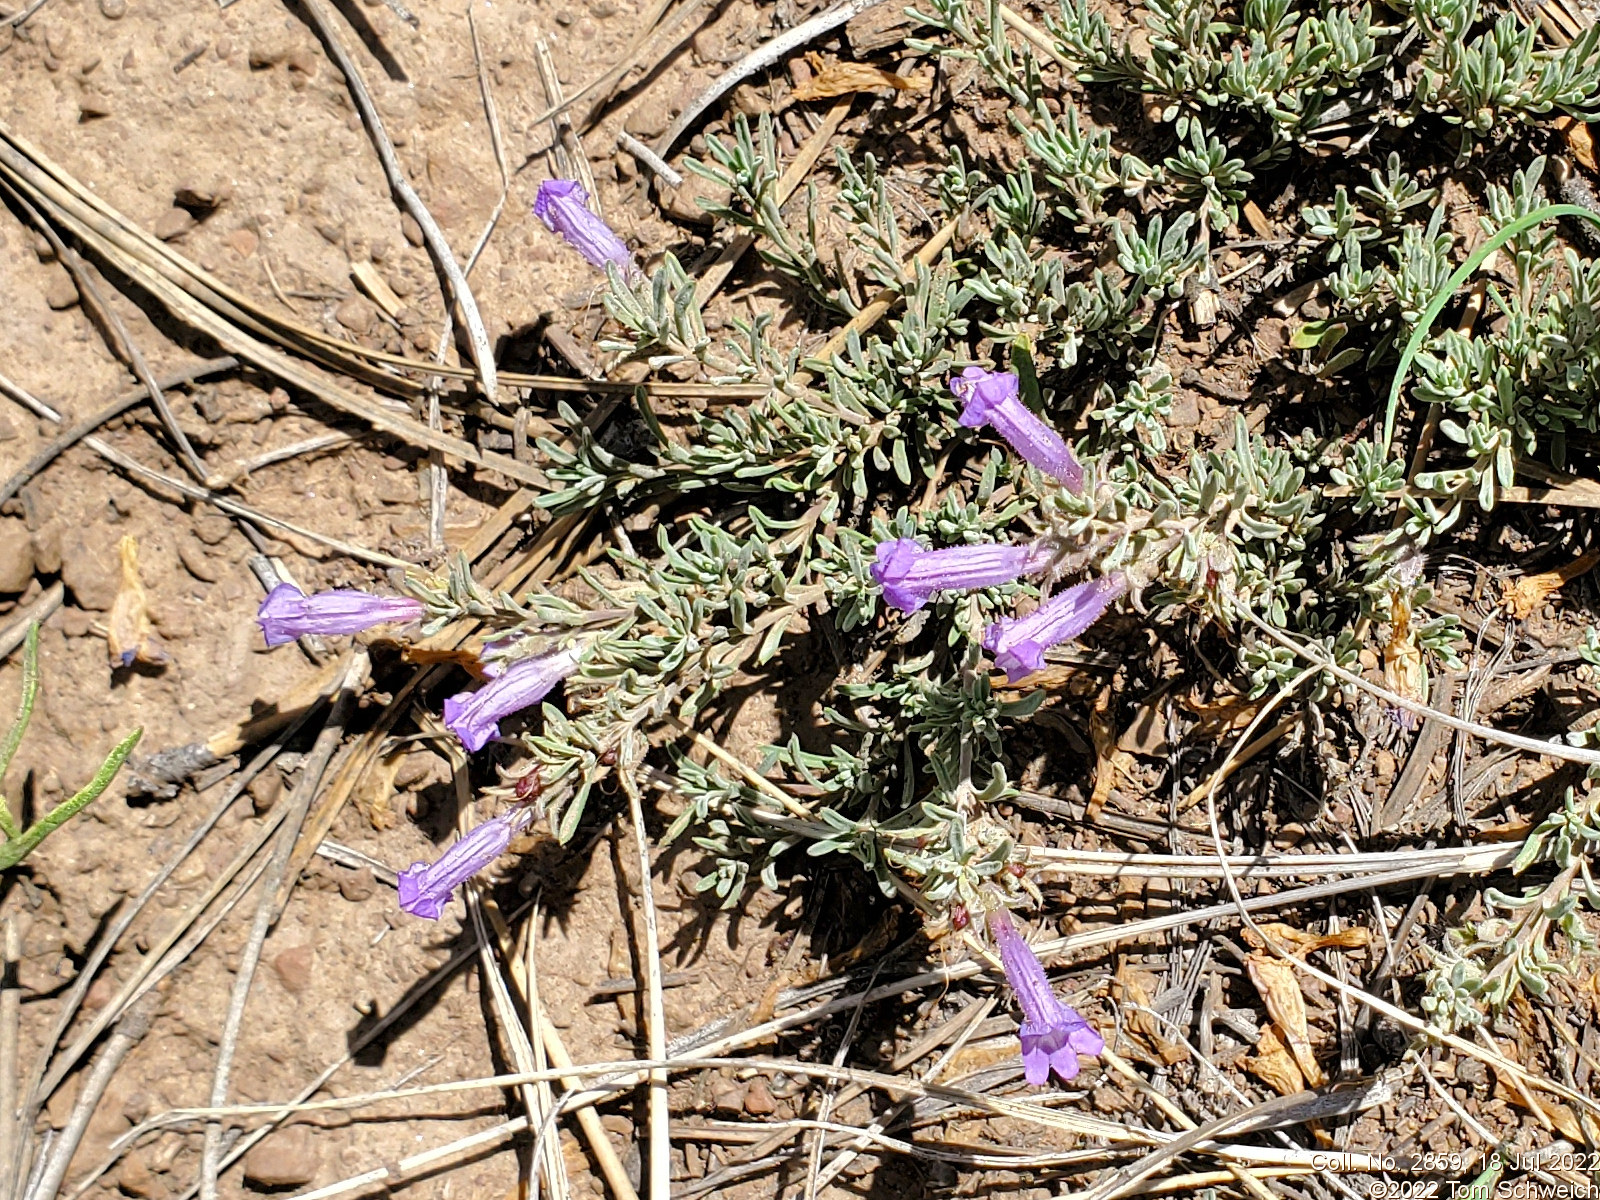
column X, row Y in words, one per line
column 530, row 785
column 608, row 757
column 960, row 918
column 1017, row 869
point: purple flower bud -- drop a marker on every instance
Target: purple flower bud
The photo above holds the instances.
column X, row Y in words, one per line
column 909, row 575
column 474, row 717
column 1018, row 644
column 994, row 398
column 426, row 888
column 1053, row 1034
column 563, row 206
column 288, row 613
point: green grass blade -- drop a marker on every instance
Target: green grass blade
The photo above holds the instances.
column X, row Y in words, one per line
column 15, row 850
column 1475, row 260
column 30, row 693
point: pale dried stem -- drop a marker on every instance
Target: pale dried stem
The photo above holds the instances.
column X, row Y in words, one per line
column 234, row 508
column 231, row 475
column 116, row 407
column 433, row 237
column 16, row 630
column 295, row 808
column 103, row 948
column 655, row 1015
column 759, row 59
column 717, row 274
column 130, row 1031
column 10, row 1049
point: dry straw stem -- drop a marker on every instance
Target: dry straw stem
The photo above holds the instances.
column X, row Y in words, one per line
column 228, row 476
column 130, row 1031
column 438, row 478
column 444, row 258
column 234, row 508
column 969, row 1019
column 10, row 1019
column 377, row 1030
column 615, row 1077
column 1552, row 749
column 1490, row 1056
column 650, row 28
column 524, row 973
column 656, row 1019
column 1446, row 860
column 295, row 808
column 16, row 630
column 36, row 1091
column 717, row 274
column 759, row 59
column 110, row 235
column 116, row 333
column 550, row 1165
column 571, row 160
column 113, row 236
column 166, row 955
column 875, row 308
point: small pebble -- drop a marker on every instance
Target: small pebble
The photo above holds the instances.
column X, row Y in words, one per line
column 357, row 315
column 61, row 293
column 265, row 789
column 287, row 1158
column 758, row 1101
column 293, row 967
column 194, row 559
column 243, row 242
column 173, row 224
column 135, row 1178
column 357, row 886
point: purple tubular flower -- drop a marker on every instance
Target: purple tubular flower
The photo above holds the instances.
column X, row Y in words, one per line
column 1053, row 1034
column 425, row 888
column 474, row 717
column 563, row 206
column 288, row 613
column 909, row 575
column 994, row 398
column 1018, row 644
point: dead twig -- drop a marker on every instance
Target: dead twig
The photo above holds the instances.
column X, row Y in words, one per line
column 228, row 476
column 295, row 810
column 765, row 56
column 234, row 508
column 16, row 630
column 121, row 341
column 10, row 1019
column 130, row 1031
column 655, row 1015
column 444, row 258
column 126, row 400
column 815, row 146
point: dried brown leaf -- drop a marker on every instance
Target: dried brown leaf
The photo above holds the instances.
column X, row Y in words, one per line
column 1300, row 943
column 1561, row 1116
column 375, row 788
column 1279, row 985
column 1259, row 223
column 1133, row 988
column 1580, row 141
column 1109, row 761
column 130, row 637
column 1522, row 596
column 1274, row 1065
column 842, row 78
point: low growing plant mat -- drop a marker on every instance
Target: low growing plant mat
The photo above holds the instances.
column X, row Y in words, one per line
column 1072, row 548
